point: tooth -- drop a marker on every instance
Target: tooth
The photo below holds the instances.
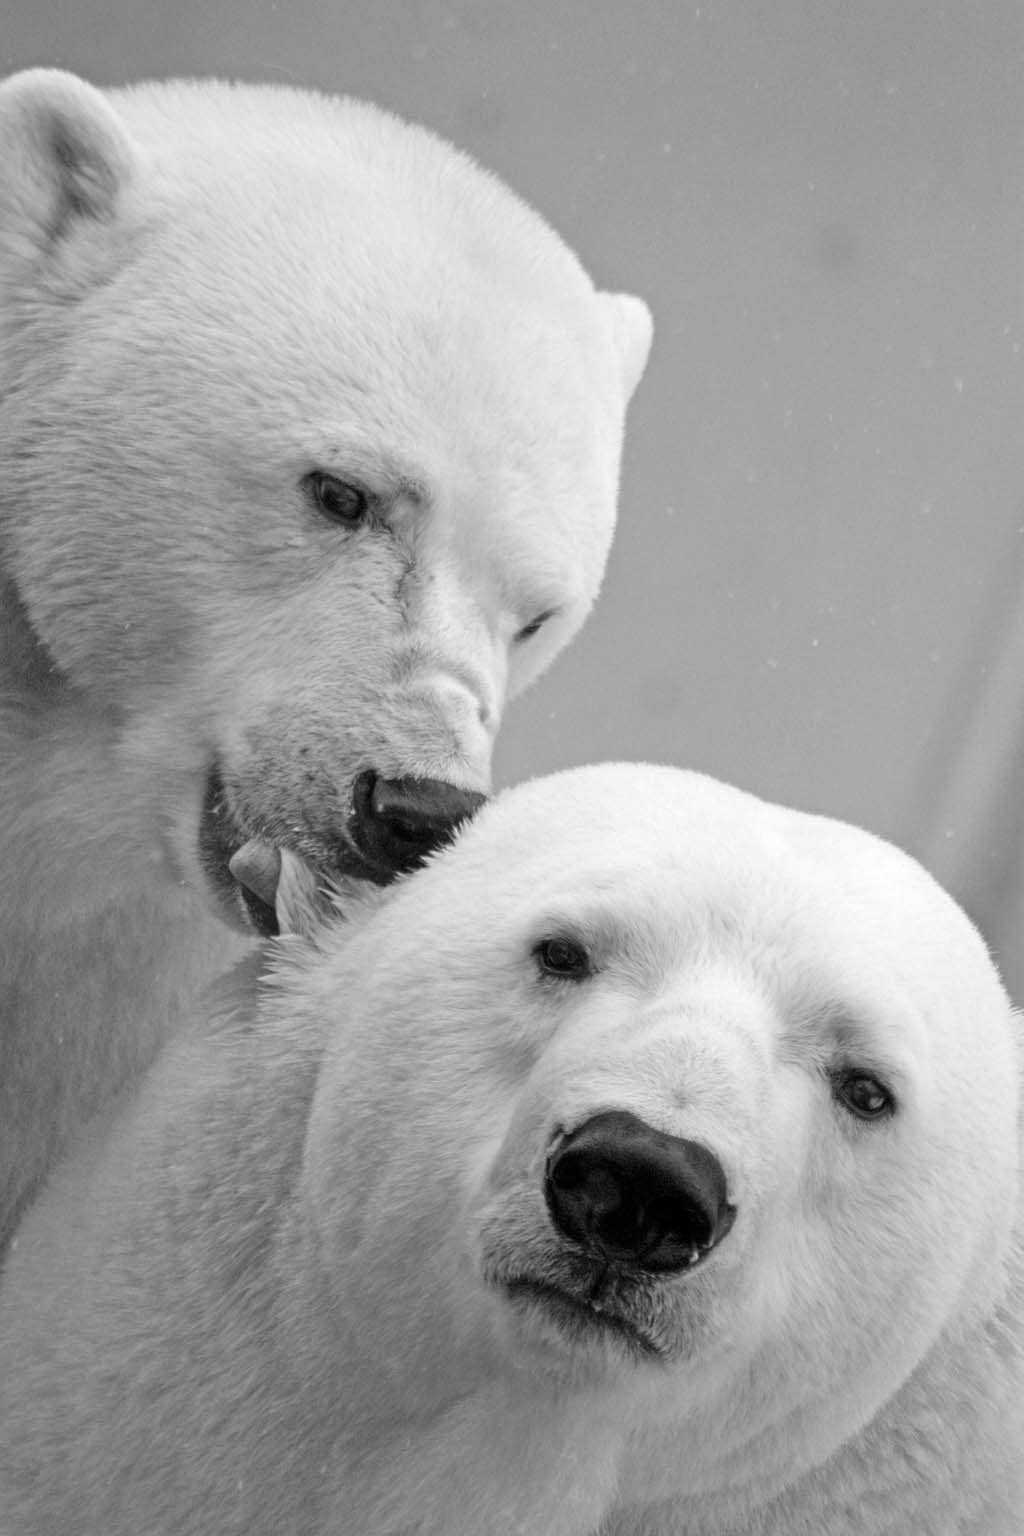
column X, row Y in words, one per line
column 257, row 866
column 302, row 900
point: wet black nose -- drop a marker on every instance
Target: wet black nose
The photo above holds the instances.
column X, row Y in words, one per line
column 634, row 1195
column 395, row 823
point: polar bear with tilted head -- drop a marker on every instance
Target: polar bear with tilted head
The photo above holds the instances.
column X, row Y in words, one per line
column 647, row 1165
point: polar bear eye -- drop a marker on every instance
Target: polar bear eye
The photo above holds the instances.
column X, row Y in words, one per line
column 338, row 500
column 534, row 625
column 863, row 1095
column 562, row 957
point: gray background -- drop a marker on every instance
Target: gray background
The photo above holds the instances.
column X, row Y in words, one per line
column 815, row 590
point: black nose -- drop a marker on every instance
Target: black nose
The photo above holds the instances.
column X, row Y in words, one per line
column 395, row 823
column 634, row 1195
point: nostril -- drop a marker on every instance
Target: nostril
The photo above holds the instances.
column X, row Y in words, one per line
column 418, row 809
column 397, row 822
column 633, row 1194
column 594, row 1204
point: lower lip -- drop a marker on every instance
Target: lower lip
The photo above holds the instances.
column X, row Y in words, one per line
column 578, row 1316
column 219, row 839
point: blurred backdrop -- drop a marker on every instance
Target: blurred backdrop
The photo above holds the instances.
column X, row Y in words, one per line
column 818, row 585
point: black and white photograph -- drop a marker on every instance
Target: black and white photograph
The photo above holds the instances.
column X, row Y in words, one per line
column 511, row 768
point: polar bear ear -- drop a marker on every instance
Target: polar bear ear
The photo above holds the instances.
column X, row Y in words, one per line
column 632, row 329
column 66, row 161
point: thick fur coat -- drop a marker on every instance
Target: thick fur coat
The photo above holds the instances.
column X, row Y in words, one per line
column 313, row 1276
column 309, row 447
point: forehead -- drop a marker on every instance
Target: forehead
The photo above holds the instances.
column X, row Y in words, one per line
column 688, row 863
column 334, row 208
column 358, row 273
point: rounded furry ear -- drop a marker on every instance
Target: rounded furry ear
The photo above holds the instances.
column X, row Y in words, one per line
column 633, row 329
column 66, row 160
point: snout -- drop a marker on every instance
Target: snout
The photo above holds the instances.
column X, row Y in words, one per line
column 634, row 1196
column 395, row 823
column 388, row 828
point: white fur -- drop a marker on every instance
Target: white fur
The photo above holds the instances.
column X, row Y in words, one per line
column 207, row 292
column 262, row 1300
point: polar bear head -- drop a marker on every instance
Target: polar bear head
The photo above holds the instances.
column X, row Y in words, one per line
column 649, row 1090
column 309, row 451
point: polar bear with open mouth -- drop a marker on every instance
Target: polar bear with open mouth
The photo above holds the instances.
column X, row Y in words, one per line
column 309, row 453
column 646, row 1165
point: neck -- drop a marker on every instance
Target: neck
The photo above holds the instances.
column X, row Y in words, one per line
column 102, row 945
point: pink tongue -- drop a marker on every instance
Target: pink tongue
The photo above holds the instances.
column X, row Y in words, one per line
column 257, row 866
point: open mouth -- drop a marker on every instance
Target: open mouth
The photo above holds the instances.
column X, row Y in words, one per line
column 581, row 1317
column 242, row 861
column 387, row 829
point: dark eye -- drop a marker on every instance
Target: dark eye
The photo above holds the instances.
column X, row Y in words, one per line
column 563, row 957
column 863, row 1095
column 337, row 499
column 533, row 626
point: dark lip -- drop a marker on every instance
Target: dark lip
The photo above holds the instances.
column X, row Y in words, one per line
column 577, row 1314
column 219, row 838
